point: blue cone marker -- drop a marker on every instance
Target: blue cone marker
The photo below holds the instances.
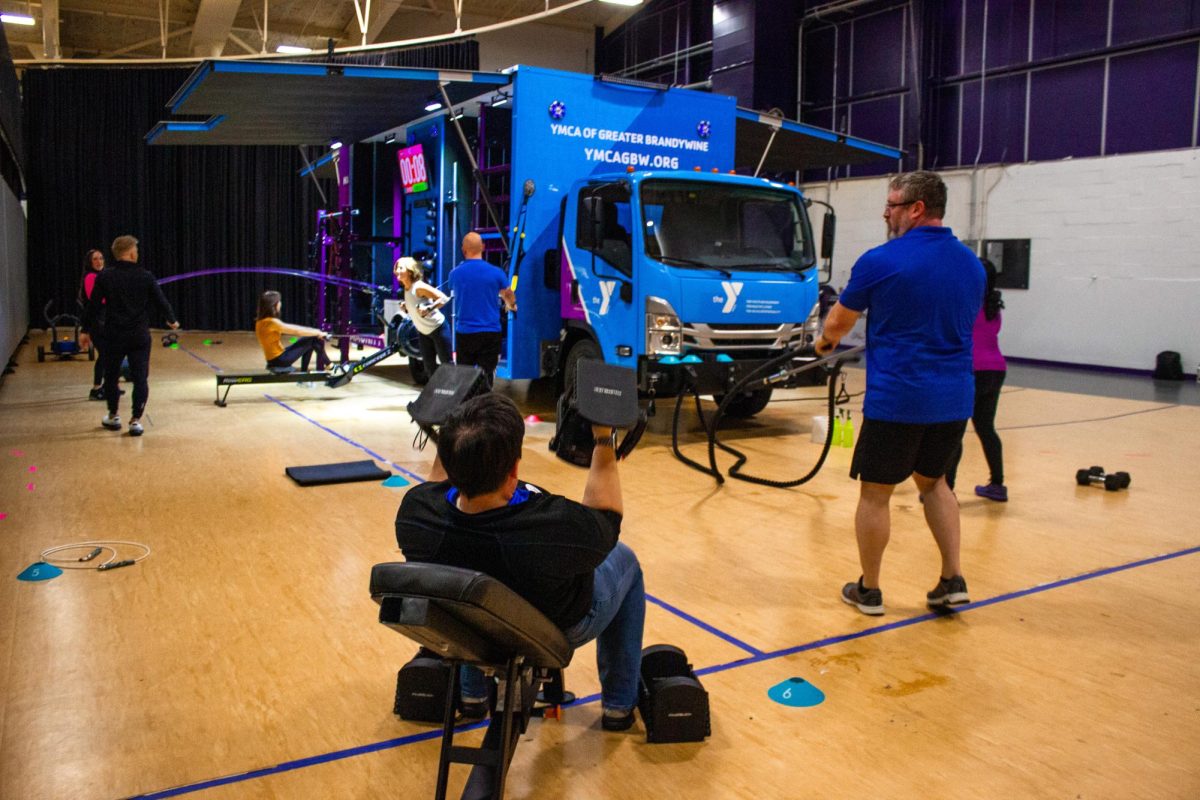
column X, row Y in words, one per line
column 796, row 692
column 39, row 571
column 395, row 482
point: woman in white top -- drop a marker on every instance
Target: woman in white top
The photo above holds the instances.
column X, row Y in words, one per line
column 423, row 302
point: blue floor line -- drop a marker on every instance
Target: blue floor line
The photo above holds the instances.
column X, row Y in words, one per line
column 347, row 440
column 436, row 734
column 705, row 626
column 208, row 364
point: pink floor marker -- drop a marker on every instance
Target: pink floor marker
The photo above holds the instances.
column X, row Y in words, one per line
column 17, row 453
column 3, row 516
column 29, row 486
column 33, row 469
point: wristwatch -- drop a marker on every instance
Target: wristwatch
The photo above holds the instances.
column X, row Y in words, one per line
column 606, row 441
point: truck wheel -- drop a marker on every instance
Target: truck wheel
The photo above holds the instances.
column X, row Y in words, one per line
column 581, row 350
column 746, row 405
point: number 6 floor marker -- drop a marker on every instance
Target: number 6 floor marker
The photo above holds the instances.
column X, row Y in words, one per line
column 796, row 692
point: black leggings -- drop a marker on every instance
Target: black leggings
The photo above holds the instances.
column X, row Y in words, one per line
column 302, row 349
column 435, row 347
column 98, row 369
column 987, row 396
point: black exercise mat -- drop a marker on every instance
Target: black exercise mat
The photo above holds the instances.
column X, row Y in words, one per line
column 347, row 472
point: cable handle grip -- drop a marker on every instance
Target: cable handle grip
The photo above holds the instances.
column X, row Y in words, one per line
column 129, row 562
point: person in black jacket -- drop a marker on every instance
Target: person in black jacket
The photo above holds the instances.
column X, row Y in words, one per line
column 125, row 293
column 560, row 555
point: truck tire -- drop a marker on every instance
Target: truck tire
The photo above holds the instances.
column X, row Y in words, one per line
column 745, row 405
column 581, row 350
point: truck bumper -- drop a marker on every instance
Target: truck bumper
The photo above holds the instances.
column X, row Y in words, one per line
column 711, row 376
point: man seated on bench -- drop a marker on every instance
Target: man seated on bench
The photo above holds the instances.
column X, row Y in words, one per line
column 560, row 555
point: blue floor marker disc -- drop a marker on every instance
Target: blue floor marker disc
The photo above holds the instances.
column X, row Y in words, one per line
column 39, row 571
column 395, row 481
column 796, row 692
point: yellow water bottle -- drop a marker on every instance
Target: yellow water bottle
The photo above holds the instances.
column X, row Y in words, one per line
column 837, row 431
column 848, row 431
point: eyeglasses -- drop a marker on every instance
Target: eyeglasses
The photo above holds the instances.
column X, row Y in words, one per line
column 897, row 205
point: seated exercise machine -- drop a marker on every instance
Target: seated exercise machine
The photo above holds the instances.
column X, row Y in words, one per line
column 467, row 617
column 401, row 339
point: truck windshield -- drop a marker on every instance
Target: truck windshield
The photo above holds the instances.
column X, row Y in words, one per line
column 722, row 226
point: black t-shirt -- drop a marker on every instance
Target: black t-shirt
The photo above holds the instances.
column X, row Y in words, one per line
column 125, row 293
column 542, row 546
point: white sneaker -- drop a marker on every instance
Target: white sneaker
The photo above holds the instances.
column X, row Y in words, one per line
column 112, row 422
column 135, row 428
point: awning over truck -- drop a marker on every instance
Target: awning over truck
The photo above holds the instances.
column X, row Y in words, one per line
column 259, row 102
column 798, row 146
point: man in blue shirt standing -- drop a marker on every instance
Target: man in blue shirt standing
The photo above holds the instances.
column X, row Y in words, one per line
column 923, row 290
column 476, row 284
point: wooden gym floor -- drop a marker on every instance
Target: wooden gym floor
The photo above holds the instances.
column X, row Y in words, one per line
column 243, row 658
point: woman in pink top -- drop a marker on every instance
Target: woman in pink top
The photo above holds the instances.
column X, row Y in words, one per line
column 990, row 369
column 93, row 263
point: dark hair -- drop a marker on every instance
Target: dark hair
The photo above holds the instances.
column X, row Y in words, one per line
column 266, row 304
column 992, row 302
column 928, row 187
column 480, row 442
column 82, row 297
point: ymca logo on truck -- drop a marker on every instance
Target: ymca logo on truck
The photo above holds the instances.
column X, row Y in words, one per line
column 606, row 293
column 732, row 290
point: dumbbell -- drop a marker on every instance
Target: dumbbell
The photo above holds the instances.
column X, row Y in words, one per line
column 1111, row 483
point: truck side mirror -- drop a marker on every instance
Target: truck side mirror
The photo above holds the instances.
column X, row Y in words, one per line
column 828, row 230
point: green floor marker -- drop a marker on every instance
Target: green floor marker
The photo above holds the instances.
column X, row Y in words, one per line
column 175, row 346
column 207, row 342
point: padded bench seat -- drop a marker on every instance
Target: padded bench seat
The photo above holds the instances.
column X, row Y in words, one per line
column 468, row 617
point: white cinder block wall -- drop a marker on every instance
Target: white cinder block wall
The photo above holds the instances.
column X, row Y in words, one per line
column 1114, row 272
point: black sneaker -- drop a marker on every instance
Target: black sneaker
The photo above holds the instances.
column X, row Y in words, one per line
column 135, row 428
column 868, row 601
column 615, row 720
column 948, row 592
column 111, row 421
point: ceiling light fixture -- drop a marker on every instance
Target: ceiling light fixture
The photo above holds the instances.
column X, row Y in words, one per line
column 622, row 2
column 293, row 50
column 17, row 19
column 433, row 105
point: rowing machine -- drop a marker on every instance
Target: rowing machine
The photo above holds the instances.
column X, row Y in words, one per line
column 231, row 379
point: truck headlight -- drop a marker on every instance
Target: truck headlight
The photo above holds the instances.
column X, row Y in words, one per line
column 664, row 334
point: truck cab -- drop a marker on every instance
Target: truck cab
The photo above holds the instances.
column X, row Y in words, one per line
column 686, row 276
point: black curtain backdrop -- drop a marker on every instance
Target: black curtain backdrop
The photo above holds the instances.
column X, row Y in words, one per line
column 92, row 178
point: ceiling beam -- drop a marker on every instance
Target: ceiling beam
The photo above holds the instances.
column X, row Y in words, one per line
column 214, row 21
column 156, row 41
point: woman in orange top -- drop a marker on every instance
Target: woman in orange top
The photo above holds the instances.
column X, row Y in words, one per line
column 270, row 330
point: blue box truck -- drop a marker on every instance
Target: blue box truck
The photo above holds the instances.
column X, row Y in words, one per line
column 631, row 239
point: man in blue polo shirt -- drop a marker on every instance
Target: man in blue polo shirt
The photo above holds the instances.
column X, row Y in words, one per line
column 922, row 290
column 476, row 285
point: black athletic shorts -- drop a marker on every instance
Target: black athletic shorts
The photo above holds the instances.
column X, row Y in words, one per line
column 889, row 452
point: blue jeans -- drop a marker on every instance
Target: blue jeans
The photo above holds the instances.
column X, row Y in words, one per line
column 615, row 621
